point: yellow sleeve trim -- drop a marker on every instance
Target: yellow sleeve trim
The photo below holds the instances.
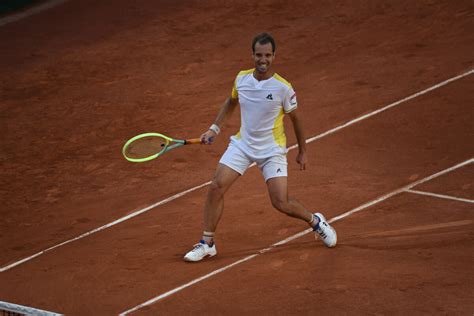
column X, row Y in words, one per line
column 235, row 94
column 281, row 79
column 246, row 72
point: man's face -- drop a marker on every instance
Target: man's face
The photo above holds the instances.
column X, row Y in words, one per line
column 263, row 57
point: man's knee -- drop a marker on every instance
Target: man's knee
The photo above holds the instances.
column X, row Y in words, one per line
column 280, row 204
column 217, row 188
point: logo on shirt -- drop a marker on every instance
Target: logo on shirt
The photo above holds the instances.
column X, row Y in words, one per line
column 278, row 170
column 293, row 99
column 270, row 97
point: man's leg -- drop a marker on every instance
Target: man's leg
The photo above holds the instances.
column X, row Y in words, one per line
column 223, row 180
column 278, row 190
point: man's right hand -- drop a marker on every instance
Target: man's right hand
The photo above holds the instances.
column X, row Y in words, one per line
column 208, row 137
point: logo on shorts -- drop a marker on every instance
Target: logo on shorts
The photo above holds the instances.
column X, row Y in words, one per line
column 270, row 97
column 278, row 170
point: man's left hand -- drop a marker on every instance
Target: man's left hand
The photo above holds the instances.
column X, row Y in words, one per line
column 302, row 160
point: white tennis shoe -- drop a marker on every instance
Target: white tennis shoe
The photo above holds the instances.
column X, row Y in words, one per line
column 325, row 232
column 201, row 251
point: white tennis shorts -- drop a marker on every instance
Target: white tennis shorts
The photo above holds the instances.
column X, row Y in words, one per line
column 239, row 161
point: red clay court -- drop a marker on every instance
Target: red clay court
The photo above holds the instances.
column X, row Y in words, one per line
column 386, row 93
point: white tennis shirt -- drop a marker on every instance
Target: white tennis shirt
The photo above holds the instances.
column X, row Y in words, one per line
column 262, row 108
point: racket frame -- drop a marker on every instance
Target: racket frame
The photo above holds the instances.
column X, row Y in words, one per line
column 167, row 147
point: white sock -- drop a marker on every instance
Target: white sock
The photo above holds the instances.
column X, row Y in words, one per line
column 314, row 221
column 208, row 237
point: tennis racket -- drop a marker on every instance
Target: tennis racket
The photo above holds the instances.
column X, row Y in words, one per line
column 148, row 146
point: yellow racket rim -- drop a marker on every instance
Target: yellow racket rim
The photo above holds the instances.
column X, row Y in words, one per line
column 148, row 158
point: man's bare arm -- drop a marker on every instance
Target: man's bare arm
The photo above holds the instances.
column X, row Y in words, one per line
column 225, row 112
column 301, row 158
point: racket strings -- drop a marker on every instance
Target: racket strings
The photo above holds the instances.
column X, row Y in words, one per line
column 145, row 147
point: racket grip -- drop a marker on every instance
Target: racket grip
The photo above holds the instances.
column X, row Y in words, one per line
column 192, row 141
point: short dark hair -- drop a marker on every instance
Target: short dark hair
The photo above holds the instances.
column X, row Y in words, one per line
column 262, row 39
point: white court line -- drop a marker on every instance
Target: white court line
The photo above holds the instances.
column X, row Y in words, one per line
column 122, row 219
column 403, row 189
column 24, row 310
column 363, row 117
column 131, row 215
column 302, row 233
column 441, row 196
column 34, row 10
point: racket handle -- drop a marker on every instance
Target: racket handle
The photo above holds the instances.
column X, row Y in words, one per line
column 192, row 141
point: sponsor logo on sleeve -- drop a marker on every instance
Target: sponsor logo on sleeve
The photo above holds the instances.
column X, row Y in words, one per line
column 293, row 100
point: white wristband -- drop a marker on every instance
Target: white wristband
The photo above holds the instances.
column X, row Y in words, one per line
column 215, row 129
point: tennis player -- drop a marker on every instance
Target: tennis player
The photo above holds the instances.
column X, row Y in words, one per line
column 264, row 98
